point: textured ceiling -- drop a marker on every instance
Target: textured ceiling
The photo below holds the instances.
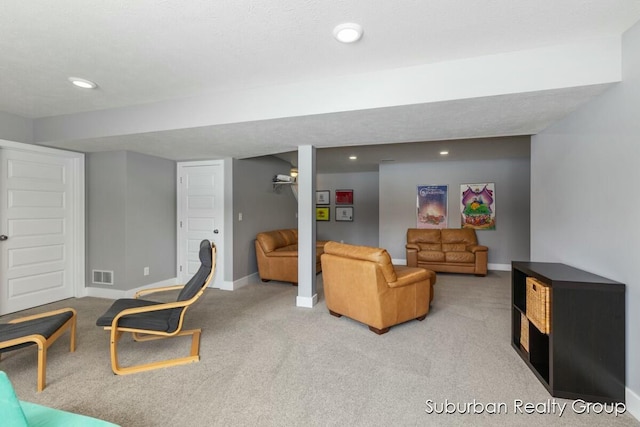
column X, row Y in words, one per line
column 370, row 157
column 146, row 51
column 506, row 115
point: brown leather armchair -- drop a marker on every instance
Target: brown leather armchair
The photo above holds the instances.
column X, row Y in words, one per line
column 277, row 255
column 360, row 282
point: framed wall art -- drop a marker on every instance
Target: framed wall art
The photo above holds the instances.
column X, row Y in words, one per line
column 322, row 214
column 344, row 213
column 344, row 197
column 432, row 206
column 323, row 197
column 478, row 206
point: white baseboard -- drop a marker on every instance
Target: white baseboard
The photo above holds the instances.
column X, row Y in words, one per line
column 495, row 267
column 633, row 403
column 225, row 285
column 119, row 293
column 251, row 278
column 499, row 267
column 307, row 302
column 104, row 293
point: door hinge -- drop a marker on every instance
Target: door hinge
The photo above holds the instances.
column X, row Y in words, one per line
column 180, row 224
column 181, row 269
column 180, row 180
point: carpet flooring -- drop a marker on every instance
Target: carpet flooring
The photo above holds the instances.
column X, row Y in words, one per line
column 266, row 362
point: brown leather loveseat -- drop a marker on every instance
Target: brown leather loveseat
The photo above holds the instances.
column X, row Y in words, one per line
column 277, row 255
column 447, row 250
column 360, row 282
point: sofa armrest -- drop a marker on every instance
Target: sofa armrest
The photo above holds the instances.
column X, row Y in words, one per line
column 482, row 255
column 413, row 246
column 282, row 254
column 408, row 276
column 412, row 256
column 477, row 248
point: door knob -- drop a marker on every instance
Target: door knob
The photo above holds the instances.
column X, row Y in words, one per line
column 215, row 231
column 3, row 237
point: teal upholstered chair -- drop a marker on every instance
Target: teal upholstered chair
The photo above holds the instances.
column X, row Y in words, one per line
column 16, row 413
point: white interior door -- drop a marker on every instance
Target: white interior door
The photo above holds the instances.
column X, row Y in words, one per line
column 200, row 215
column 36, row 200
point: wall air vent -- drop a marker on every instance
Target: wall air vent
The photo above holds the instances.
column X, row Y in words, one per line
column 102, row 277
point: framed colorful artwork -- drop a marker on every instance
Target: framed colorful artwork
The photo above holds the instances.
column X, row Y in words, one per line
column 432, row 206
column 478, row 206
column 344, row 197
column 323, row 197
column 344, row 213
column 322, row 214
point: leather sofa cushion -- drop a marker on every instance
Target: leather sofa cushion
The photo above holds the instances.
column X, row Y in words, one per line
column 467, row 257
column 366, row 253
column 272, row 240
column 423, row 236
column 289, row 235
column 430, row 246
column 454, row 247
column 431, row 256
column 466, row 236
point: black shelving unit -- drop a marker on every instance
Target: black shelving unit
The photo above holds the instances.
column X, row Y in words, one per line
column 583, row 356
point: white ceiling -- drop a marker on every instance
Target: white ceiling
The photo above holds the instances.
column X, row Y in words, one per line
column 147, row 51
column 370, row 157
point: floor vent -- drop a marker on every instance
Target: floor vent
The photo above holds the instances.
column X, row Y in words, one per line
column 102, row 277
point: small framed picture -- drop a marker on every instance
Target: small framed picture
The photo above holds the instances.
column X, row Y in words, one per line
column 344, row 197
column 323, row 197
column 322, row 214
column 344, row 213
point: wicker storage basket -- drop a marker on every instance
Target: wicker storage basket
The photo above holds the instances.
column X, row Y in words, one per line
column 539, row 304
column 524, row 332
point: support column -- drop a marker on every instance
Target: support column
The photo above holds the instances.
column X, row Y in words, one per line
column 307, row 295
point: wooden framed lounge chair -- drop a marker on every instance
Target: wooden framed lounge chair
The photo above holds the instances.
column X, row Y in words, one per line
column 151, row 320
column 41, row 329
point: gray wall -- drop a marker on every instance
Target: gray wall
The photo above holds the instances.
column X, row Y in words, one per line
column 106, row 179
column 151, row 218
column 131, row 218
column 262, row 208
column 364, row 228
column 398, row 186
column 585, row 179
column 16, row 128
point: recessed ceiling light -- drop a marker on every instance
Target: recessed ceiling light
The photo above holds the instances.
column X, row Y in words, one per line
column 82, row 83
column 444, row 153
column 353, row 157
column 347, row 32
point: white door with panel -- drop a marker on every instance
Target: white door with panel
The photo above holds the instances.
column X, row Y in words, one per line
column 200, row 215
column 36, row 230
